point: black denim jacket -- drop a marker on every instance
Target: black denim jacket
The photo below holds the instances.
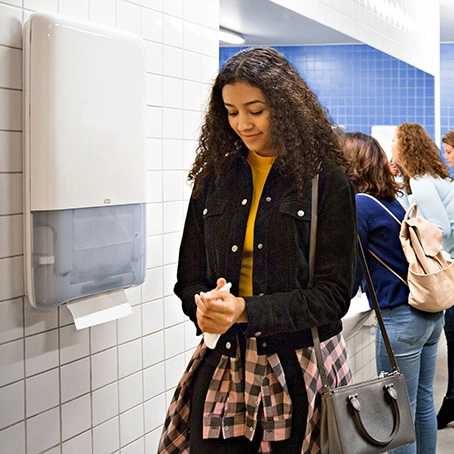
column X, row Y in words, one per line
column 282, row 309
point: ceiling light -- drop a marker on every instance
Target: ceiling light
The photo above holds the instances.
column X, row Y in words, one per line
column 230, row 37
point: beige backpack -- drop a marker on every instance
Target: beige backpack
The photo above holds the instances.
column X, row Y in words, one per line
column 430, row 275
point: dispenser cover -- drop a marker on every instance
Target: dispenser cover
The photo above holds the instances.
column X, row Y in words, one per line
column 84, row 160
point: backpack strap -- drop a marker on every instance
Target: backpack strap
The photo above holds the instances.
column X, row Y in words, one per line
column 373, row 253
column 386, row 266
column 381, row 204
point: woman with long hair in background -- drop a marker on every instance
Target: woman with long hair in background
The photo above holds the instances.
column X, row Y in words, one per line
column 413, row 334
column 430, row 186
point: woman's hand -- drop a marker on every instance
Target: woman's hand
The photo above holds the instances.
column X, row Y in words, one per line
column 394, row 169
column 217, row 310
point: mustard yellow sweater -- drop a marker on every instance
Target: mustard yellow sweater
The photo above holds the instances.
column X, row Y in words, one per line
column 260, row 166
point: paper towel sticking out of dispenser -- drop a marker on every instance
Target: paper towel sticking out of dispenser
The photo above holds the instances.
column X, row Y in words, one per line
column 84, row 161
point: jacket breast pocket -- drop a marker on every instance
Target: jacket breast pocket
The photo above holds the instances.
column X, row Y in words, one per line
column 214, row 209
column 292, row 227
column 215, row 222
column 296, row 212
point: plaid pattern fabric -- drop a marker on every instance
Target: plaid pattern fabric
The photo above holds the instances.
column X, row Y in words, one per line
column 276, row 417
column 175, row 435
column 264, row 402
column 334, row 354
column 224, row 405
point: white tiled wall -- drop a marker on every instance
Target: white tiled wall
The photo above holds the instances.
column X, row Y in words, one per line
column 361, row 352
column 104, row 389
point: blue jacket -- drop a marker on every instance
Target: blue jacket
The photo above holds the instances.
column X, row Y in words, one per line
column 282, row 309
column 379, row 232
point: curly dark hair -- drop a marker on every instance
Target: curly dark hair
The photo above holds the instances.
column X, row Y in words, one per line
column 418, row 154
column 368, row 168
column 301, row 130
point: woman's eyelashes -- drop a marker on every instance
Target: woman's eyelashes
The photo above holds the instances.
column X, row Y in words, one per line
column 234, row 114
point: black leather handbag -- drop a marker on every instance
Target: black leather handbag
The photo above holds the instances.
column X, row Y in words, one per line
column 370, row 417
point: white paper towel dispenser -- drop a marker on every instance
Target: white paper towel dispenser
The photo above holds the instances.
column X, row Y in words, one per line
column 84, row 160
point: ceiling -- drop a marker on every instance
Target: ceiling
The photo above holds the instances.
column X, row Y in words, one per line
column 262, row 22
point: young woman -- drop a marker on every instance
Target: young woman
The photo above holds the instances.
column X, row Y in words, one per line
column 446, row 413
column 264, row 138
column 426, row 178
column 432, row 189
column 413, row 334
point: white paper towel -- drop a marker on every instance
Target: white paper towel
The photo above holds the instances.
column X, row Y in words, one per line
column 211, row 339
column 101, row 308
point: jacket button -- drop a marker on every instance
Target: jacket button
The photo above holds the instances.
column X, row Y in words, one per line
column 258, row 334
column 234, row 248
column 243, row 202
column 300, row 213
column 268, row 199
column 228, row 345
column 264, row 344
column 260, row 246
column 205, row 211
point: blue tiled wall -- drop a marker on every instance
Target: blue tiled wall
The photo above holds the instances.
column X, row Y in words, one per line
column 361, row 86
column 447, row 87
column 446, row 90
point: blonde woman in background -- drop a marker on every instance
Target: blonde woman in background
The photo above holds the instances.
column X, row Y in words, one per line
column 427, row 179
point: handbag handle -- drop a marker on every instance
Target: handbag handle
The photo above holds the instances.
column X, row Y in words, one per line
column 355, row 404
column 370, row 286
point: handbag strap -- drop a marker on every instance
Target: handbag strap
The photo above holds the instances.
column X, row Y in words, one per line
column 374, row 299
column 314, row 222
column 312, row 247
column 314, row 329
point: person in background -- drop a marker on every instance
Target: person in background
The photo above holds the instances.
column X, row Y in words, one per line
column 397, row 172
column 448, row 145
column 413, row 334
column 432, row 189
column 446, row 413
column 426, row 178
column 264, row 137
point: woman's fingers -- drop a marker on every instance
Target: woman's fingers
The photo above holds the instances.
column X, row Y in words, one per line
column 220, row 283
column 215, row 314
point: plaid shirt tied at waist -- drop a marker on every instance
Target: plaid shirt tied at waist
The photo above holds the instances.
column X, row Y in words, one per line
column 239, row 401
